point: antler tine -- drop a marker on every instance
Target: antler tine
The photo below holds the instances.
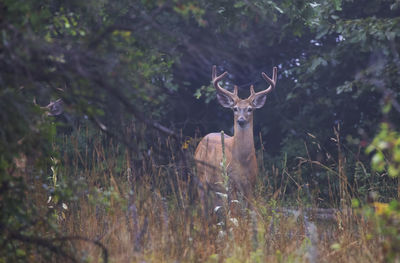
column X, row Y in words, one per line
column 216, row 79
column 252, row 93
column 272, row 82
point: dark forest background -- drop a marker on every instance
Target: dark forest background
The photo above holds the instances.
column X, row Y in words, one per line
column 133, row 77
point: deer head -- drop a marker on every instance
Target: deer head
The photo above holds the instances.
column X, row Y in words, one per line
column 242, row 108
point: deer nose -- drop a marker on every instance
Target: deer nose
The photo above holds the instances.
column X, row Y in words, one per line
column 241, row 121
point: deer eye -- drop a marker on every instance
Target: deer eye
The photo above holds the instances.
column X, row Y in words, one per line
column 235, row 109
column 249, row 109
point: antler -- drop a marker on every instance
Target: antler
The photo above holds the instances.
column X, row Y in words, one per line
column 272, row 83
column 216, row 79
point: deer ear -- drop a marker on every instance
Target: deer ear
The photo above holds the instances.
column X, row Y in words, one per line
column 225, row 100
column 259, row 101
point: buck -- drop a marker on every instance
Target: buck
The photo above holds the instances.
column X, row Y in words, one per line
column 241, row 162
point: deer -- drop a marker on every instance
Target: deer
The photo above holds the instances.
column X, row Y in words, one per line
column 240, row 154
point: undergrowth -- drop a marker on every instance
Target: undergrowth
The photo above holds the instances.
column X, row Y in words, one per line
column 145, row 206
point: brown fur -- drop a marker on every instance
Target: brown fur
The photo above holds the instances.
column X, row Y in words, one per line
column 241, row 162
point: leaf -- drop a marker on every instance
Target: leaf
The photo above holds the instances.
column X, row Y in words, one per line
column 197, row 94
column 386, row 108
column 322, row 32
column 355, row 203
column 20, row 252
column 390, row 35
column 290, row 96
column 275, row 6
column 380, row 208
column 393, row 171
column 346, row 87
column 239, row 4
column 317, row 62
column 337, row 5
column 377, row 161
column 335, row 246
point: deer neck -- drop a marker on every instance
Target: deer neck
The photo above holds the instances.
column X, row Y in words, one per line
column 243, row 143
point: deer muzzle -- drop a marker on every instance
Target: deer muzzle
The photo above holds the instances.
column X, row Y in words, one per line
column 241, row 121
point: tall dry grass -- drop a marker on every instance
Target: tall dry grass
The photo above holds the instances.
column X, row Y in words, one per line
column 146, row 208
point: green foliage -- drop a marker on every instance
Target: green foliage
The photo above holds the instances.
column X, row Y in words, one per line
column 385, row 219
column 206, row 91
column 386, row 149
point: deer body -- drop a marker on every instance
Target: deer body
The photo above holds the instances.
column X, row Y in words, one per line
column 241, row 163
column 240, row 154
